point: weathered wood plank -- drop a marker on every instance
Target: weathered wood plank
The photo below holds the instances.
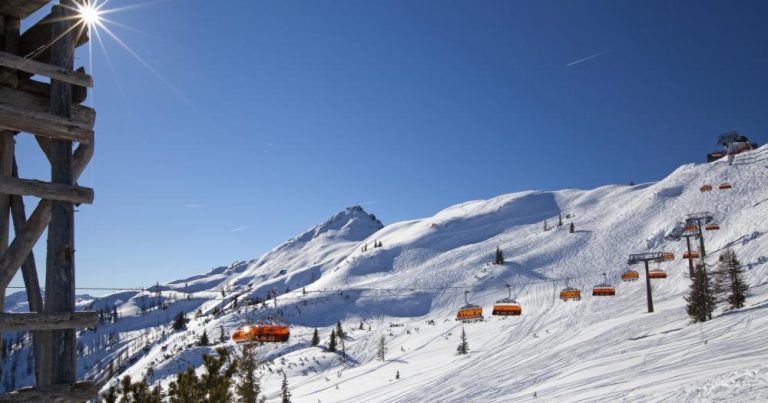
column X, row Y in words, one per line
column 21, row 8
column 48, row 70
column 83, row 116
column 79, row 392
column 35, row 42
column 58, row 359
column 79, row 94
column 23, row 322
column 28, row 269
column 48, row 125
column 46, row 190
column 21, row 246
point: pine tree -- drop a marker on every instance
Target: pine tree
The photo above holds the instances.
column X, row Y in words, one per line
column 397, row 375
column 361, row 326
column 729, row 279
column 286, row 395
column 186, row 388
column 573, row 228
column 546, row 228
column 560, row 220
column 248, row 389
column 179, row 321
column 701, row 300
column 499, row 259
column 332, row 342
column 315, row 339
column 382, row 348
column 339, row 331
column 217, row 380
column 463, row 347
column 204, row 339
column 222, row 335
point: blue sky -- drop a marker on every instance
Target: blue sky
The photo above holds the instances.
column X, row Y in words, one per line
column 260, row 119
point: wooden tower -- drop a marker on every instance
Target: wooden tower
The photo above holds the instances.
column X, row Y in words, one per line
column 41, row 95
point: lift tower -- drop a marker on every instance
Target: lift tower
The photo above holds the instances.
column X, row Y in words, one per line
column 657, row 257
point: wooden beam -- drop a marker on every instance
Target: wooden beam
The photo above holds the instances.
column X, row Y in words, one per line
column 79, row 94
column 35, row 42
column 13, row 117
column 46, row 190
column 77, row 393
column 21, row 8
column 47, row 70
column 58, row 359
column 83, row 116
column 28, row 268
column 22, row 322
column 22, row 245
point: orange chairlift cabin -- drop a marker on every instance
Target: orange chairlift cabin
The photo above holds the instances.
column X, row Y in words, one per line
column 268, row 331
column 725, row 186
column 705, row 188
column 657, row 273
column 570, row 293
column 667, row 256
column 261, row 333
column 712, row 227
column 691, row 228
column 469, row 312
column 507, row 306
column 691, row 255
column 603, row 289
column 630, row 275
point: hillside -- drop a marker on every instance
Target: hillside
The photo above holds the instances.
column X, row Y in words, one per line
column 408, row 290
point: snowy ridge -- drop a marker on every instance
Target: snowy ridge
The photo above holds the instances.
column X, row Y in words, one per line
column 598, row 349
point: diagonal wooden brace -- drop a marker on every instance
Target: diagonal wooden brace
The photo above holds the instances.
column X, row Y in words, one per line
column 20, row 247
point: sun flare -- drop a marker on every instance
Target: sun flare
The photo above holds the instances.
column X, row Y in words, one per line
column 89, row 14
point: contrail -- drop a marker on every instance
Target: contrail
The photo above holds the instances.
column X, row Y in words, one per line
column 238, row 229
column 589, row 57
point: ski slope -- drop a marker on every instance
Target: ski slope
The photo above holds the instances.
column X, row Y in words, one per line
column 408, row 290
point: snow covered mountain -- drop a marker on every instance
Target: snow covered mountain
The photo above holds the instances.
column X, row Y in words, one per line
column 408, row 290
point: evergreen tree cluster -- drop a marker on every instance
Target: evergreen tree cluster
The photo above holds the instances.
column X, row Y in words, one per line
column 499, row 258
column 213, row 386
column 728, row 286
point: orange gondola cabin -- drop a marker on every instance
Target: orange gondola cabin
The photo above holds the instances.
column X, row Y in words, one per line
column 469, row 312
column 570, row 293
column 725, row 186
column 507, row 307
column 261, row 333
column 630, row 275
column 603, row 289
column 690, row 255
column 691, row 228
column 706, row 188
column 657, row 274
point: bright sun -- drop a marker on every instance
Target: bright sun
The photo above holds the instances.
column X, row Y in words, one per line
column 89, row 14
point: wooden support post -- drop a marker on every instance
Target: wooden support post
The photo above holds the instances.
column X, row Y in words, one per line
column 59, row 361
column 11, row 31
